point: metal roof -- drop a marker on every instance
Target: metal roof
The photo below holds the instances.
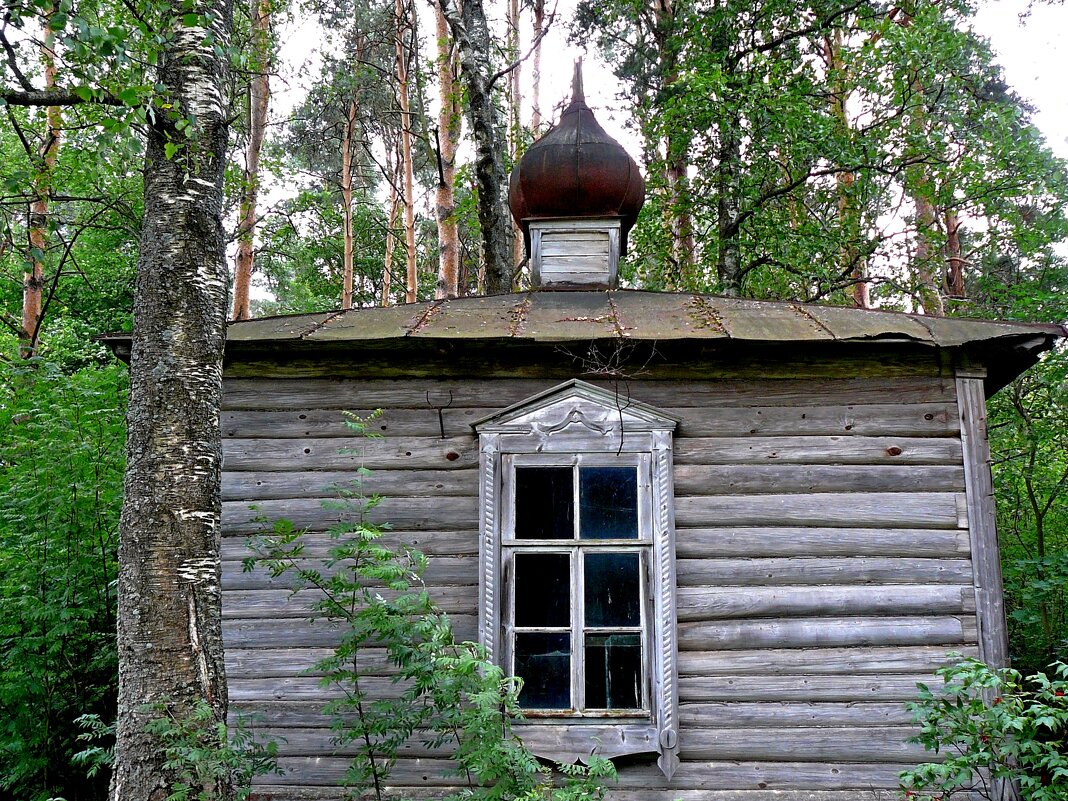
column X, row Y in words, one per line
column 545, row 316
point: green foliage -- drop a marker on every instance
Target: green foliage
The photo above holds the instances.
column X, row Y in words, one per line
column 61, row 464
column 992, row 726
column 209, row 759
column 449, row 693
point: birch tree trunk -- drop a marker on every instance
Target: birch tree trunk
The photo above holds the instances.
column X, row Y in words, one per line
column 728, row 206
column 169, row 632
column 403, row 29
column 471, row 32
column 33, row 281
column 259, row 99
column 448, row 140
column 347, row 145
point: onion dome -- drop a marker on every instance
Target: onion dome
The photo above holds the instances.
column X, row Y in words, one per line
column 576, row 171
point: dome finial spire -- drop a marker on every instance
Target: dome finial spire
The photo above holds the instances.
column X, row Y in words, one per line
column 577, row 96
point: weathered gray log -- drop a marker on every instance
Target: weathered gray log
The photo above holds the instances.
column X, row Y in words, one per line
column 697, row 775
column 806, row 688
column 243, row 518
column 441, row 571
column 723, row 603
column 400, row 793
column 877, row 419
column 857, row 660
column 804, row 541
column 411, row 393
column 394, row 453
column 272, row 633
column 817, row 450
column 283, row 603
column 800, row 570
column 875, row 509
column 811, row 478
column 826, row 632
column 775, row 715
column 318, row 544
column 254, row 486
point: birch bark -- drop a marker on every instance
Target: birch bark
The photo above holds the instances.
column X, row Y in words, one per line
column 169, row 631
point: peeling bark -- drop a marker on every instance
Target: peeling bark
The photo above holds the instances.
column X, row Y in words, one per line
column 448, row 140
column 259, row 99
column 169, row 631
column 471, row 33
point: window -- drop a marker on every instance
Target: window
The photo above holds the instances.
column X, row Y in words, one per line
column 577, row 557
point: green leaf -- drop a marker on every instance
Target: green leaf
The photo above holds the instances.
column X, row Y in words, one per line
column 169, row 149
column 84, row 92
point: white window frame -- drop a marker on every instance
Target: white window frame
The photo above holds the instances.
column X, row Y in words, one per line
column 577, row 422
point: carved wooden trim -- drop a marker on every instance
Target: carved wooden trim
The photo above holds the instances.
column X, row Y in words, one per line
column 578, row 418
column 982, row 528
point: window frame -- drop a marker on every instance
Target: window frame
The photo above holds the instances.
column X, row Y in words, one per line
column 576, row 423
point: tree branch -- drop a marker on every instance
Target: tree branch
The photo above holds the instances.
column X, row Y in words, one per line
column 533, row 45
column 12, row 59
column 62, row 97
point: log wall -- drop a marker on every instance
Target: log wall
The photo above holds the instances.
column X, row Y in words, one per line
column 823, row 559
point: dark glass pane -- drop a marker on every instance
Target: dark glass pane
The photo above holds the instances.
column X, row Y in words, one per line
column 543, row 661
column 613, row 589
column 613, row 671
column 608, row 503
column 542, row 589
column 544, row 503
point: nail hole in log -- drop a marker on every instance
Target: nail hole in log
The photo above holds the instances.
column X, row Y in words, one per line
column 302, row 417
column 928, row 416
column 452, row 456
column 307, row 450
column 893, row 450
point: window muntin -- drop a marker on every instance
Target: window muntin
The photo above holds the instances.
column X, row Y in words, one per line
column 577, row 548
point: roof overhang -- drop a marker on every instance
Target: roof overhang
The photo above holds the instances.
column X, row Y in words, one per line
column 1006, row 349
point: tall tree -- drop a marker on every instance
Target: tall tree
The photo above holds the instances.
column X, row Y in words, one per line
column 470, row 30
column 169, row 621
column 259, row 99
column 448, row 138
column 405, row 33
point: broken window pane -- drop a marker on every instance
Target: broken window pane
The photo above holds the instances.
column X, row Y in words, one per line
column 608, row 503
column 544, row 503
column 613, row 589
column 543, row 661
column 542, row 589
column 613, row 671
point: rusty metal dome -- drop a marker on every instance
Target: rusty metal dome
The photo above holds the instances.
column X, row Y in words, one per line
column 576, row 170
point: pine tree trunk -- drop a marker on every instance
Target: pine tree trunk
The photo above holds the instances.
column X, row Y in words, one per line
column 346, row 200
column 471, row 33
column 403, row 28
column 924, row 261
column 448, row 139
column 169, row 630
column 259, row 98
column 33, row 281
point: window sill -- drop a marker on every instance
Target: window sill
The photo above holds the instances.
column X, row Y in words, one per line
column 566, row 741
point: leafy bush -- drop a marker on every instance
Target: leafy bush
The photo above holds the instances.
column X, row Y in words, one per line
column 993, row 726
column 450, row 693
column 61, row 464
